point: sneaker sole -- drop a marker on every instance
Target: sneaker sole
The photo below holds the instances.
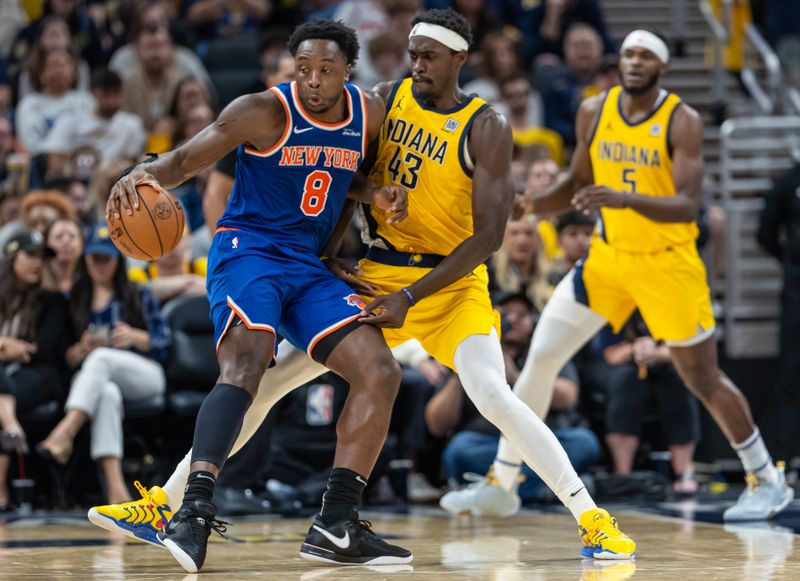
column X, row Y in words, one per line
column 109, row 524
column 318, row 554
column 590, row 553
column 184, row 560
column 468, row 511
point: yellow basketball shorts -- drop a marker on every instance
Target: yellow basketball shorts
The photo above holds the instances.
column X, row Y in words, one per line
column 668, row 287
column 441, row 321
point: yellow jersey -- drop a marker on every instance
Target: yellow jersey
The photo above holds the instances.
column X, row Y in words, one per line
column 636, row 158
column 425, row 151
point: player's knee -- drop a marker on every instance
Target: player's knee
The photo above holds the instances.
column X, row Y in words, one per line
column 244, row 372
column 492, row 400
column 387, row 374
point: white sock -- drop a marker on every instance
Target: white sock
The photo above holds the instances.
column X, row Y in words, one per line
column 505, row 473
column 176, row 484
column 479, row 363
column 756, row 459
column 563, row 328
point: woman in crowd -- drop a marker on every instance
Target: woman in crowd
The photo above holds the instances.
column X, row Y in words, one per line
column 32, row 329
column 520, row 264
column 120, row 341
column 65, row 238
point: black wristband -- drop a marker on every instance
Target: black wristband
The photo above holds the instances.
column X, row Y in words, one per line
column 151, row 157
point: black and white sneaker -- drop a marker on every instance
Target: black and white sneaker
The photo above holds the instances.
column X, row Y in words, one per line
column 186, row 534
column 350, row 542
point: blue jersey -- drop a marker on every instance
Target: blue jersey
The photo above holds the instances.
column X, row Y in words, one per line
column 294, row 191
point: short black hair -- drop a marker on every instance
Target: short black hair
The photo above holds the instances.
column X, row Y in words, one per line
column 342, row 35
column 574, row 218
column 106, row 79
column 449, row 19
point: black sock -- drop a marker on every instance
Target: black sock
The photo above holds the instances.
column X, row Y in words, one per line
column 199, row 486
column 219, row 422
column 343, row 494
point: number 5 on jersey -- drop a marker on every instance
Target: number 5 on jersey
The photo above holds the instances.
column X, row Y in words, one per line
column 315, row 192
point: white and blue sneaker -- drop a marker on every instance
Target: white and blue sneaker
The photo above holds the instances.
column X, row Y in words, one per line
column 761, row 500
column 483, row 497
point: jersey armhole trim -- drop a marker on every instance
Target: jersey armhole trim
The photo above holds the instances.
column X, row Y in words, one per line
column 596, row 123
column 286, row 130
column 392, row 95
column 364, row 122
column 669, row 127
column 463, row 152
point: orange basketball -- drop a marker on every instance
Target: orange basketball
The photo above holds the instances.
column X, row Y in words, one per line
column 153, row 230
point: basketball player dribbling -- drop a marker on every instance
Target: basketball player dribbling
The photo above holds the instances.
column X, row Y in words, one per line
column 453, row 153
column 300, row 144
column 639, row 162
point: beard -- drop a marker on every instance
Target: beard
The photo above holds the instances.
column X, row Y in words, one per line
column 648, row 84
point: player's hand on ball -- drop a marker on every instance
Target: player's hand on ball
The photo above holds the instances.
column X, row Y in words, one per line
column 123, row 193
column 393, row 200
column 349, row 274
column 387, row 311
column 591, row 198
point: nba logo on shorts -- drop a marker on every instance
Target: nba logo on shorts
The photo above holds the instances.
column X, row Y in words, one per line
column 319, row 405
column 355, row 301
column 235, row 242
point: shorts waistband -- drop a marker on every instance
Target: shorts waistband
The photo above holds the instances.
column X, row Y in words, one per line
column 394, row 258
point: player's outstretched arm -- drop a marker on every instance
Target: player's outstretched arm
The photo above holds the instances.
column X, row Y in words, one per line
column 558, row 197
column 686, row 139
column 258, row 120
column 492, row 200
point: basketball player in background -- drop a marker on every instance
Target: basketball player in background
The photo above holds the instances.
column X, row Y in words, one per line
column 453, row 153
column 299, row 144
column 639, row 163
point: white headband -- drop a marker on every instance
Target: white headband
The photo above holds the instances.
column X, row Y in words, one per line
column 447, row 37
column 647, row 40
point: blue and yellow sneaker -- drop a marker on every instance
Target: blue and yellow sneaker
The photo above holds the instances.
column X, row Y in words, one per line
column 602, row 538
column 140, row 519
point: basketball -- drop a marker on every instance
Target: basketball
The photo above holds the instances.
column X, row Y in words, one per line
column 151, row 231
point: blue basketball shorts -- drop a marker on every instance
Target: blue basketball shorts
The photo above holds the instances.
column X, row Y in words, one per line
column 270, row 287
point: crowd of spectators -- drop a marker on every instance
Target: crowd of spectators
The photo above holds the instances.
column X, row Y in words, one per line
column 87, row 87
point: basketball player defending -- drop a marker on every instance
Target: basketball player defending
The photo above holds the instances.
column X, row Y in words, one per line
column 299, row 146
column 641, row 146
column 452, row 152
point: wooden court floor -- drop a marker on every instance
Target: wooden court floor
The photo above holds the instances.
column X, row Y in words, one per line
column 530, row 546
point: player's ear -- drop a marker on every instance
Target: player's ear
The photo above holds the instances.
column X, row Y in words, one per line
column 461, row 57
column 347, row 70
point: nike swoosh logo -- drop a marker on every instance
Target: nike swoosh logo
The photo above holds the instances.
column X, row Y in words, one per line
column 298, row 130
column 576, row 492
column 361, row 480
column 342, row 543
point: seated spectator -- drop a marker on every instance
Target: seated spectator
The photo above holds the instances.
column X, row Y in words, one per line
column 520, row 265
column 189, row 94
column 387, row 53
column 32, row 329
column 14, row 163
column 542, row 173
column 65, row 238
column 119, row 343
column 499, row 59
column 574, row 238
column 562, row 94
column 173, row 275
column 474, row 446
column 219, row 18
column 544, row 24
column 54, row 81
column 522, row 106
column 153, row 17
column 105, row 128
column 53, row 35
column 642, row 372
column 39, row 209
column 149, row 86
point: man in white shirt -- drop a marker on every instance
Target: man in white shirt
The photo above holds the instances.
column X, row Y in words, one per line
column 113, row 133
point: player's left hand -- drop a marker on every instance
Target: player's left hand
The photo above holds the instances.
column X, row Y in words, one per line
column 393, row 200
column 387, row 311
column 591, row 198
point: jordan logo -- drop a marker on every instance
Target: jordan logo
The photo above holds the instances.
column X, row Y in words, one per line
column 399, row 104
